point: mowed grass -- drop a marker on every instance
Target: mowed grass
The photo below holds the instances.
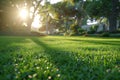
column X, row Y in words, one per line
column 59, row 58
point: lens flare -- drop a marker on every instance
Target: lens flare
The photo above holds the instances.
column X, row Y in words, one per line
column 23, row 14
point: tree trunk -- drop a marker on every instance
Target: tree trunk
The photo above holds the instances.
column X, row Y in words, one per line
column 113, row 16
column 31, row 19
column 28, row 28
column 112, row 23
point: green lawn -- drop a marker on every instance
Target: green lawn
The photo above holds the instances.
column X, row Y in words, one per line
column 59, row 58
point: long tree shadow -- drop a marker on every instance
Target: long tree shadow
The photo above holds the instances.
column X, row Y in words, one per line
column 73, row 66
column 64, row 60
column 58, row 56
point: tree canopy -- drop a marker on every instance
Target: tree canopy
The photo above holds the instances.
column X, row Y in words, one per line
column 104, row 8
column 66, row 12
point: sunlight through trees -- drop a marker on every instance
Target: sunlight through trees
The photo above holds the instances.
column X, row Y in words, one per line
column 65, row 16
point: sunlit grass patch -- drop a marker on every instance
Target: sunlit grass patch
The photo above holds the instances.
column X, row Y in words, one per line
column 59, row 58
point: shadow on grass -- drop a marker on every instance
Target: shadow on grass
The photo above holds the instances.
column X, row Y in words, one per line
column 99, row 42
column 8, row 56
column 64, row 60
column 73, row 66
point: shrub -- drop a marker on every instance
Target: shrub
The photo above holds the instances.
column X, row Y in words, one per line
column 118, row 31
column 81, row 31
column 34, row 33
column 73, row 34
column 66, row 34
column 105, row 34
column 74, row 28
column 93, row 29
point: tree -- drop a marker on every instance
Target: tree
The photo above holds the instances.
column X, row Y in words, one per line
column 67, row 13
column 7, row 11
column 11, row 8
column 36, row 6
column 104, row 8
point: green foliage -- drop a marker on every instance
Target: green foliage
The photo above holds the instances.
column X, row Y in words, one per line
column 74, row 27
column 98, row 8
column 59, row 58
column 76, row 30
column 72, row 34
column 63, row 10
column 66, row 33
column 105, row 34
column 53, row 14
column 66, row 12
column 81, row 31
column 93, row 29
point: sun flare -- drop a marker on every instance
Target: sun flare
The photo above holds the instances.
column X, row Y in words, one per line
column 36, row 23
column 23, row 14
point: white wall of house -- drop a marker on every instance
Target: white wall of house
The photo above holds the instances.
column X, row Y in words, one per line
column 118, row 23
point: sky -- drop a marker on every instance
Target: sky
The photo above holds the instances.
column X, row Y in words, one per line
column 51, row 1
column 55, row 1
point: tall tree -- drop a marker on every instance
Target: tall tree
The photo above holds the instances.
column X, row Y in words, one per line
column 104, row 8
column 66, row 11
column 7, row 6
